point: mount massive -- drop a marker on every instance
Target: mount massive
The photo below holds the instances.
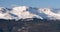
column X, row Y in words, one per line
column 23, row 12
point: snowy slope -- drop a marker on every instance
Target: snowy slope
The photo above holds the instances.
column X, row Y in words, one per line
column 50, row 13
column 23, row 12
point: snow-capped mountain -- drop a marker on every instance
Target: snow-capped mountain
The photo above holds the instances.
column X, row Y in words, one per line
column 23, row 12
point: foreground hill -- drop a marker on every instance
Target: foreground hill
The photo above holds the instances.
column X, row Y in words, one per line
column 28, row 25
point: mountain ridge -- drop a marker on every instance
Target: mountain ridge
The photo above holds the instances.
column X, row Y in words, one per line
column 23, row 12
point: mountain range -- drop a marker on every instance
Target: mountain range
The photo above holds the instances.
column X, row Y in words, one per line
column 24, row 12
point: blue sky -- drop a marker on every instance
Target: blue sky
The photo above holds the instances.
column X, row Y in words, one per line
column 32, row 3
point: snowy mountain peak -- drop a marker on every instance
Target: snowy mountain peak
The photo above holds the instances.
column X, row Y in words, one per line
column 23, row 12
column 20, row 8
column 51, row 14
